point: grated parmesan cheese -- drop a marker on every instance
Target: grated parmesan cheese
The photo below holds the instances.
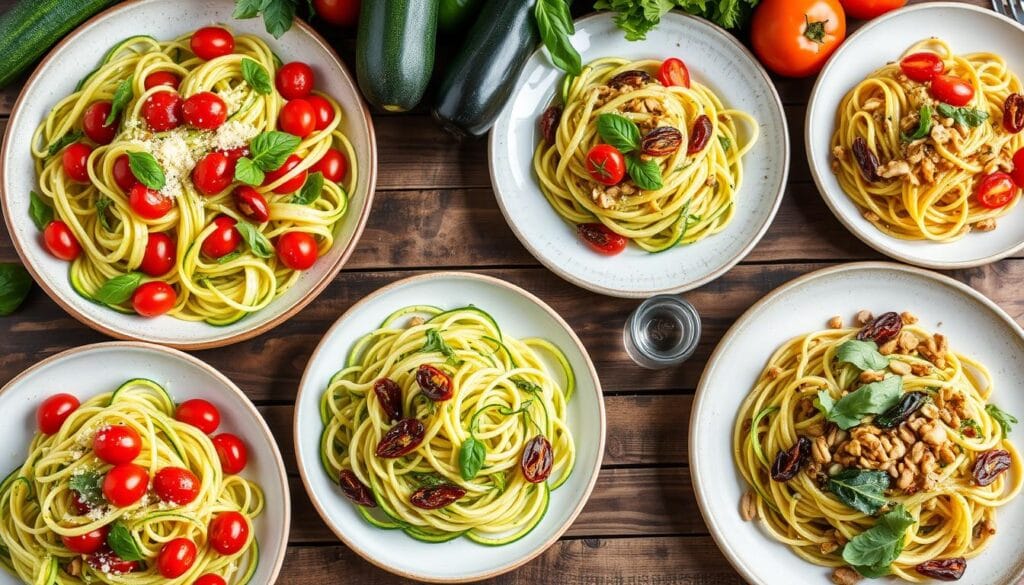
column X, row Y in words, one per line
column 234, row 134
column 233, row 97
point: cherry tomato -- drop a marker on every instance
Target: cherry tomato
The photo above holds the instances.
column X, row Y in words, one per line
column 176, row 485
column 158, row 78
column 232, row 453
column 123, row 175
column 251, row 204
column 996, row 190
column 176, row 558
column 87, row 543
column 60, row 241
column 94, row 123
column 333, row 165
column 205, row 111
column 224, row 239
column 162, row 111
column 107, row 561
column 795, row 37
column 148, row 203
column 323, row 111
column 297, row 117
column 125, row 484
column 297, row 250
column 923, row 66
column 54, row 411
column 295, row 80
column 292, row 185
column 606, row 164
column 199, row 413
column 952, row 90
column 76, row 161
column 81, row 506
column 213, row 173
column 212, row 42
column 339, row 12
column 868, row 9
column 210, row 579
column 236, row 153
column 674, row 72
column 117, row 444
column 1018, row 168
column 601, row 239
column 153, row 299
column 159, row 256
column 228, row 533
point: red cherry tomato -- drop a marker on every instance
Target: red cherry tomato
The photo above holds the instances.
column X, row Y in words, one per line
column 601, row 239
column 212, row 42
column 996, row 190
column 297, row 250
column 228, row 533
column 60, row 241
column 333, row 165
column 107, row 561
column 339, row 12
column 923, row 66
column 123, row 175
column 81, row 506
column 232, row 453
column 251, row 204
column 153, row 299
column 199, row 413
column 176, row 558
column 295, row 80
column 236, row 153
column 205, row 111
column 606, row 164
column 87, row 543
column 674, row 72
column 76, row 161
column 952, row 90
column 323, row 111
column 224, row 239
column 54, row 411
column 158, row 78
column 162, row 111
column 94, row 123
column 297, row 117
column 160, row 255
column 176, row 485
column 117, row 444
column 210, row 579
column 125, row 484
column 1018, row 168
column 213, row 173
column 868, row 9
column 292, row 185
column 148, row 203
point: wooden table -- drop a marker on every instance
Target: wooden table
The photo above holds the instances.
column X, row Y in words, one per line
column 435, row 210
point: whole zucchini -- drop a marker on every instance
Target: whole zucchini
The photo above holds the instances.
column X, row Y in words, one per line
column 483, row 73
column 453, row 14
column 395, row 51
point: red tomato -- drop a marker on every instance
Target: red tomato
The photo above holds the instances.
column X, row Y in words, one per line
column 952, row 90
column 160, row 255
column 228, row 533
column 148, row 203
column 795, row 37
column 81, row 506
column 94, row 123
column 224, row 239
column 153, row 299
column 323, row 111
column 674, row 72
column 601, row 239
column 213, row 173
column 87, row 543
column 996, row 190
column 339, row 12
column 158, row 78
column 868, row 9
column 923, row 66
column 176, row 558
column 117, row 444
column 212, row 42
column 176, row 485
column 292, row 185
column 76, row 161
column 1018, row 168
column 199, row 413
column 297, row 250
column 210, row 579
column 606, row 164
column 232, row 453
column 162, row 111
column 333, row 165
column 295, row 80
column 125, row 484
column 236, row 153
column 205, row 111
column 107, row 561
column 54, row 411
column 251, row 204
column 60, row 241
column 123, row 175
column 297, row 117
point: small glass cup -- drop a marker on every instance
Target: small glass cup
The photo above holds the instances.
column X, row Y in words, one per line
column 662, row 332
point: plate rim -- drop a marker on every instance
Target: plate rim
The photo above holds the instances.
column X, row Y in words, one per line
column 769, row 219
column 850, row 223
column 217, row 339
column 738, row 328
column 321, row 348
column 241, row 398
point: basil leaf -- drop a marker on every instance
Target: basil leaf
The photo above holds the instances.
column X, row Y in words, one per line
column 436, row 343
column 147, row 170
column 258, row 243
column 247, row 172
column 428, row 479
column 122, row 95
column 471, row 458
column 311, row 190
column 619, row 131
column 555, row 25
column 967, row 116
column 860, row 489
column 87, row 486
column 645, row 173
column 872, row 552
column 725, row 141
column 270, row 149
column 498, row 479
column 64, row 141
column 873, row 398
column 924, row 125
column 1005, row 419
column 256, row 76
column 247, row 8
column 14, row 286
column 123, row 543
column 278, row 16
column 229, row 257
column 102, row 204
column 40, row 211
column 119, row 289
column 863, row 354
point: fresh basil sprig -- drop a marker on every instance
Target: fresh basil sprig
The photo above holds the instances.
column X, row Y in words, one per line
column 873, row 398
column 256, row 76
column 277, row 14
column 971, row 117
column 924, row 125
column 863, row 354
column 873, row 551
column 622, row 133
column 88, row 487
column 40, row 211
column 436, row 343
column 645, row 173
column 1005, row 419
column 311, row 191
column 861, row 489
column 555, row 24
column 122, row 95
column 14, row 286
column 102, row 204
column 268, row 151
column 64, row 141
column 147, row 170
column 258, row 243
column 472, row 454
column 119, row 289
column 123, row 543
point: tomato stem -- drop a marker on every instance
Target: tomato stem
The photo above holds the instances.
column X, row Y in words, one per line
column 815, row 30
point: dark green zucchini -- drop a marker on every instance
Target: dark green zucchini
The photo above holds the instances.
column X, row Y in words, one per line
column 395, row 51
column 454, row 14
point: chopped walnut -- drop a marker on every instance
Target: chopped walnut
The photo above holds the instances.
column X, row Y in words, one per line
column 899, row 368
column 845, row 576
column 748, row 506
column 839, row 153
column 872, row 104
column 894, row 168
column 928, row 171
column 835, row 322
column 872, row 216
column 985, row 225
column 941, row 134
column 906, row 342
column 774, row 372
column 863, row 317
column 908, row 318
column 869, row 376
column 921, row 370
column 416, row 321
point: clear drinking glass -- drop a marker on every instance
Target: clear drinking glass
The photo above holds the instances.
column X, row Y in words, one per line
column 662, row 332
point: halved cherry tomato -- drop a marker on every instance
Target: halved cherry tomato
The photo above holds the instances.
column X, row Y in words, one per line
column 148, row 203
column 153, row 299
column 224, row 239
column 333, row 165
column 159, row 256
column 923, row 66
column 117, row 444
column 228, row 532
column 123, row 175
column 606, row 164
column 176, row 558
column 297, row 250
column 297, row 117
column 212, row 42
column 79, row 503
column 868, row 9
column 213, row 173
column 205, row 110
column 60, row 241
column 601, row 239
column 88, row 543
column 1018, row 168
column 176, row 485
column 339, row 12
column 107, row 561
column 295, row 80
column 210, row 579
column 94, row 123
column 125, row 484
column 996, row 190
column 952, row 90
column 323, row 111
column 292, row 185
column 251, row 204
column 75, row 160
column 674, row 72
column 199, row 413
column 54, row 411
column 795, row 37
column 158, row 78
column 232, row 453
column 162, row 111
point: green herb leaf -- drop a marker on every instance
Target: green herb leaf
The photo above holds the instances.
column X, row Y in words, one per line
column 122, row 96
column 258, row 243
column 147, row 170
column 873, row 398
column 725, row 141
column 229, row 257
column 971, row 117
column 860, row 489
column 123, row 543
column 638, row 17
column 471, row 458
column 87, row 486
column 555, row 24
column 119, row 289
column 64, row 141
column 278, row 16
column 311, row 190
column 14, row 286
column 619, row 131
column 924, row 125
column 428, row 479
column 39, row 210
column 247, row 172
column 247, row 8
column 1005, row 419
column 256, row 76
column 645, row 173
column 499, row 481
column 270, row 149
column 863, row 354
column 874, row 550
column 970, row 423
column 102, row 204
column 436, row 343
column 526, row 386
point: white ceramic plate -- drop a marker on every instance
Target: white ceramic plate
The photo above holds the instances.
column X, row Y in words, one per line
column 719, row 61
column 974, row 326
column 77, row 55
column 968, row 29
column 519, row 314
column 102, row 367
